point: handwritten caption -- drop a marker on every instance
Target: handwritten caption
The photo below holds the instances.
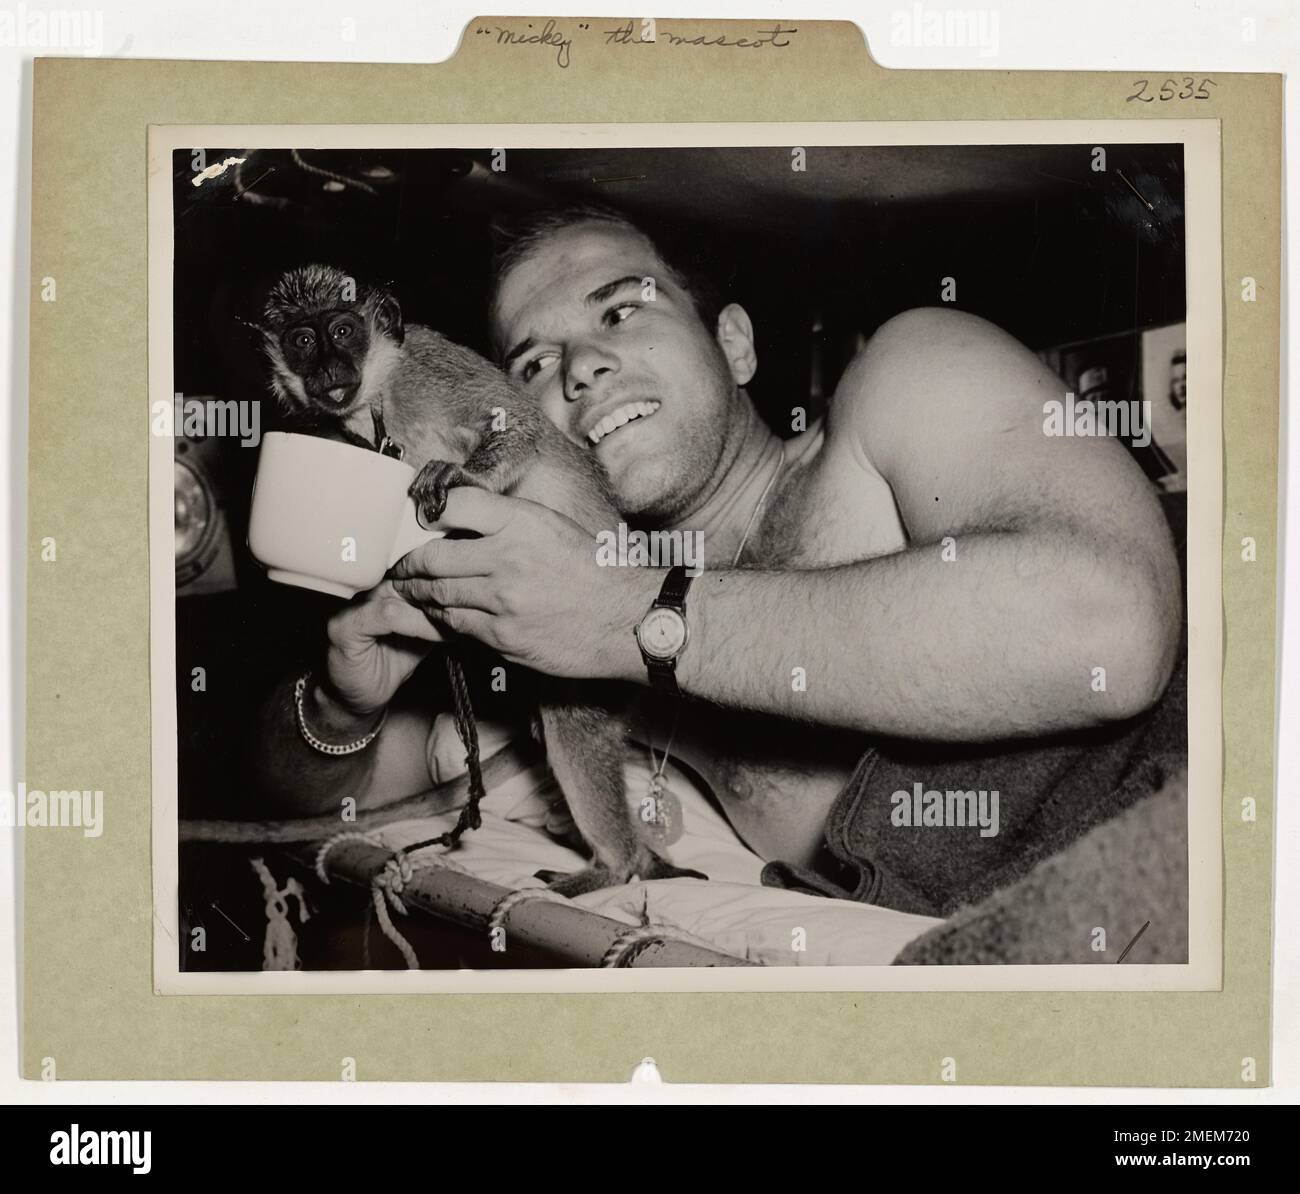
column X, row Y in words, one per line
column 557, row 38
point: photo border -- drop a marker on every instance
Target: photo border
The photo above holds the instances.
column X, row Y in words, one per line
column 1199, row 140
column 87, row 993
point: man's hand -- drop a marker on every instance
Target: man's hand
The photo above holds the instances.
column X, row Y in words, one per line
column 375, row 645
column 530, row 588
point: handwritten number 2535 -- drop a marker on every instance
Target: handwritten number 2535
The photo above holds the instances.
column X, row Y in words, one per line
column 1169, row 90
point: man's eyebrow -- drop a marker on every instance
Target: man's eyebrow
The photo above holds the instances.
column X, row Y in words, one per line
column 519, row 349
column 601, row 293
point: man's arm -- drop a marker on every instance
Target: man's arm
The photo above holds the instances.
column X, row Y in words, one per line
column 1063, row 565
column 298, row 781
column 374, row 646
column 1033, row 561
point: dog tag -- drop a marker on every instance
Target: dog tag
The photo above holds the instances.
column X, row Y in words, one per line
column 661, row 814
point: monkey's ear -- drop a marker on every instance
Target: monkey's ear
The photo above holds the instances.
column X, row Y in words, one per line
column 388, row 318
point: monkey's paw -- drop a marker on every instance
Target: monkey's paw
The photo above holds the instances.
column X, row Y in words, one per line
column 596, row 877
column 431, row 484
column 592, row 878
column 661, row 868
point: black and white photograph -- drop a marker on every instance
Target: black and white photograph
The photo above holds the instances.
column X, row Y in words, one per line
column 772, row 561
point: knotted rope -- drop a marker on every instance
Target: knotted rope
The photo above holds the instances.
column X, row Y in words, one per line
column 280, row 945
column 467, row 729
column 387, row 885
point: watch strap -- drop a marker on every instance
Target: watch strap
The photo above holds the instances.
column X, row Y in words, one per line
column 663, row 675
column 673, row 591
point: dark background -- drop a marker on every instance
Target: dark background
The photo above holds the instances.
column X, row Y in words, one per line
column 1037, row 241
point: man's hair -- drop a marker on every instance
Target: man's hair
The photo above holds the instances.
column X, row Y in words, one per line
column 681, row 250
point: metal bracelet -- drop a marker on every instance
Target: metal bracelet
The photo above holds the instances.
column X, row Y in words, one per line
column 326, row 748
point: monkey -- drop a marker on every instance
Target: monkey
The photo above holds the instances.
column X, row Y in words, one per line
column 342, row 357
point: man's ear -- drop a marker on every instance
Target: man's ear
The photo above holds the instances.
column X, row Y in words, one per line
column 735, row 336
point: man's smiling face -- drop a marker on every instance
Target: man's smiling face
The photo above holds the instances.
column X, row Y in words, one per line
column 639, row 381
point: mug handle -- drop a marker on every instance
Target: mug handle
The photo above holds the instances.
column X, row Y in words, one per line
column 410, row 534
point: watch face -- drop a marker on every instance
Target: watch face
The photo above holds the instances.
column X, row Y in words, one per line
column 662, row 633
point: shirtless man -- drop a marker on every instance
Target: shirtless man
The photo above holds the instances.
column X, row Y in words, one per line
column 937, row 565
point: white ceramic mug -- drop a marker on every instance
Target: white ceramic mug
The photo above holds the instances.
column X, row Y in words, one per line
column 329, row 516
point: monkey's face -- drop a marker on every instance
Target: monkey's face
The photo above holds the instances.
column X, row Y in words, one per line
column 326, row 352
column 330, row 342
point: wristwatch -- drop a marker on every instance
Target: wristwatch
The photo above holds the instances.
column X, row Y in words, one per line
column 662, row 634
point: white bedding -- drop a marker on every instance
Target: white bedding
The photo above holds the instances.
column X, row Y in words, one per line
column 521, row 820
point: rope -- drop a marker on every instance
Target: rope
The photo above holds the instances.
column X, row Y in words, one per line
column 348, row 835
column 343, row 179
column 467, row 729
column 630, row 943
column 507, row 904
column 280, row 945
column 387, row 885
column 386, row 888
column 623, row 950
column 470, row 816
